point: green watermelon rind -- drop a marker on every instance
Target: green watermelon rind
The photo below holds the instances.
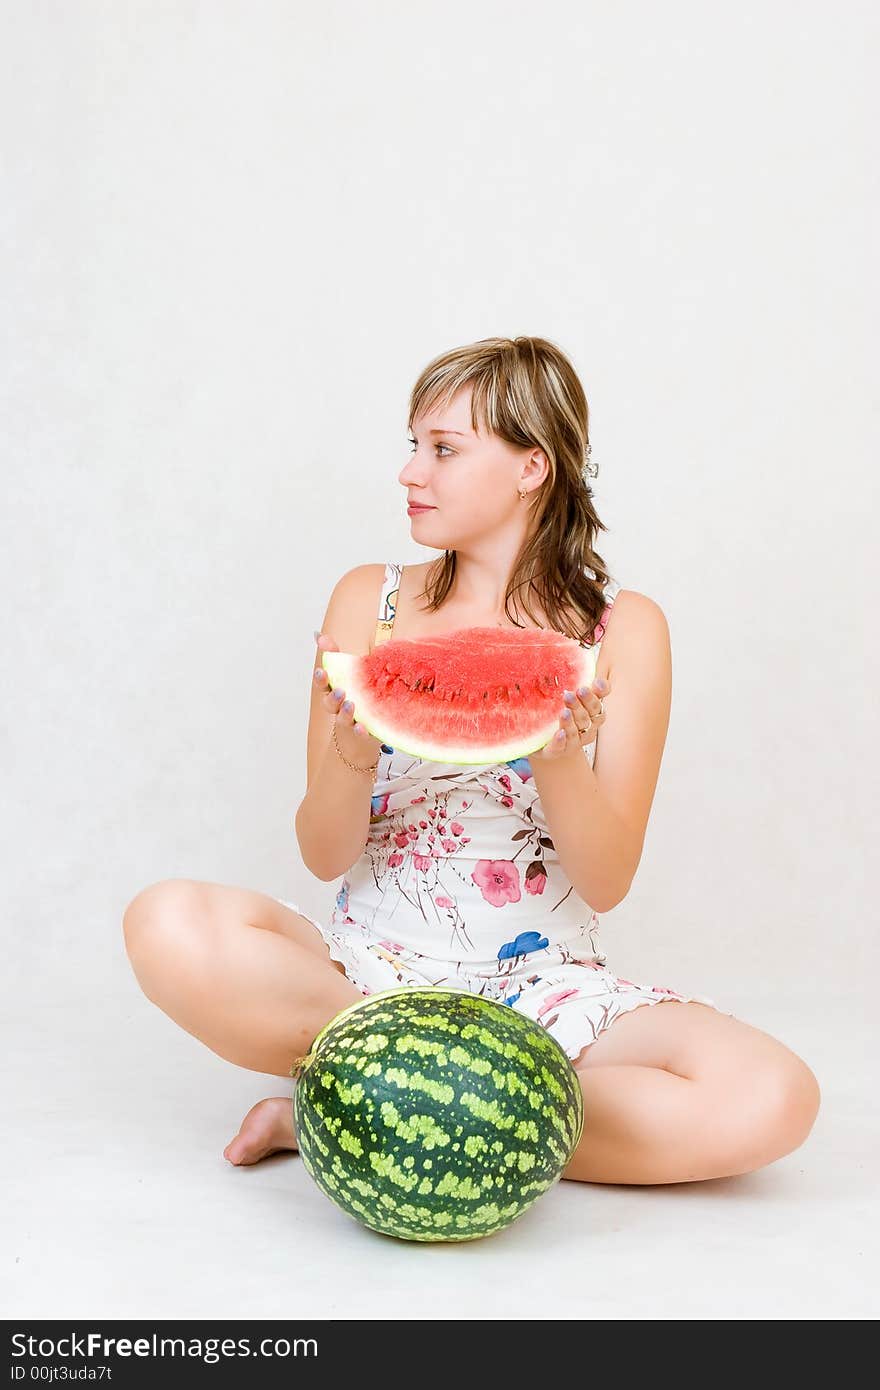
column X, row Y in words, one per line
column 358, row 1191
column 341, row 668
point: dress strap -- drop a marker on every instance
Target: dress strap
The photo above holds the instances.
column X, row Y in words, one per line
column 388, row 603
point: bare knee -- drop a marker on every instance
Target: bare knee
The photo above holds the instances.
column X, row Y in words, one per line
column 781, row 1110
column 795, row 1100
column 160, row 916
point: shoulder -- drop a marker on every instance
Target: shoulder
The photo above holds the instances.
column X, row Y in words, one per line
column 351, row 610
column 360, row 577
column 639, row 607
column 637, row 631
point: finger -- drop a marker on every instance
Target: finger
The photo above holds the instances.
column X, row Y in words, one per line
column 578, row 701
column 591, row 699
column 550, row 749
column 582, row 730
column 559, row 742
column 572, row 726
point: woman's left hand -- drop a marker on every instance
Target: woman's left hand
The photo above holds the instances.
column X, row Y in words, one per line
column 580, row 723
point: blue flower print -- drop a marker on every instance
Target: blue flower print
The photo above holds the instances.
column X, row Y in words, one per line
column 512, row 998
column 525, row 942
column 521, row 766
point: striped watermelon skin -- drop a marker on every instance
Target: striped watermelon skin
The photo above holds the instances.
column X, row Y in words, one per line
column 435, row 1114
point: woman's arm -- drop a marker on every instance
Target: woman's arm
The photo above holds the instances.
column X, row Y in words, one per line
column 598, row 816
column 333, row 820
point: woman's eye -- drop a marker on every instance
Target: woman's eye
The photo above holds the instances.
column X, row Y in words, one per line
column 436, row 446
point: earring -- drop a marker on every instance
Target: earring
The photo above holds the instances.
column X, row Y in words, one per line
column 522, row 494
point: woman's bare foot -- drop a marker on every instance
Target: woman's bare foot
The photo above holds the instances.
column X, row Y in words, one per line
column 266, row 1128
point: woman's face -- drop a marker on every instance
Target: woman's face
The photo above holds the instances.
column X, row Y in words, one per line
column 470, row 480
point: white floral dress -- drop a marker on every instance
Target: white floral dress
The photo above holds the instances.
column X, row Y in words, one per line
column 459, row 884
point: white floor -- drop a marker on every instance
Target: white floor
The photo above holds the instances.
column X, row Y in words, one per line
column 119, row 1203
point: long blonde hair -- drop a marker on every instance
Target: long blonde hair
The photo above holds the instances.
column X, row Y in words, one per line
column 526, row 391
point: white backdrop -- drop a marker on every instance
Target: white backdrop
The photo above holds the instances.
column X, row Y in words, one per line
column 232, row 236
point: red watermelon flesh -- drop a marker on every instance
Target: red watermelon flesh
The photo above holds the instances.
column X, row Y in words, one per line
column 475, row 695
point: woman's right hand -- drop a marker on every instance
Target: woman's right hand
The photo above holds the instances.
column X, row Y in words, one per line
column 355, row 741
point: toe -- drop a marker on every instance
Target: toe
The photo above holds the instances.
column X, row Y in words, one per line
column 266, row 1128
column 233, row 1149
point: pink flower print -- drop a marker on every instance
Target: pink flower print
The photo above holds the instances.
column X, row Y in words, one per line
column 622, row 981
column 391, row 945
column 506, row 800
column 465, row 839
column 465, row 805
column 442, row 901
column 416, row 799
column 394, row 859
column 432, row 811
column 450, row 846
column 556, row 998
column 498, row 881
column 505, row 781
column 456, row 827
column 660, row 989
column 401, row 839
column 412, row 831
column 422, row 861
column 423, row 824
column 536, row 878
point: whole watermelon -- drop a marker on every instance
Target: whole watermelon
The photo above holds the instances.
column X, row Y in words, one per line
column 435, row 1114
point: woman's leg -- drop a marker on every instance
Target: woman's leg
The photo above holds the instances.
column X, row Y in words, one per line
column 251, row 979
column 680, row 1092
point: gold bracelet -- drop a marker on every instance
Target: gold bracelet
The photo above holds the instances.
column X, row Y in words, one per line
column 354, row 768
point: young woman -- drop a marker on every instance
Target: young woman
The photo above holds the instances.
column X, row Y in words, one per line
column 487, row 877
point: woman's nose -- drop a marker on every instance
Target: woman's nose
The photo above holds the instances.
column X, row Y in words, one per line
column 408, row 476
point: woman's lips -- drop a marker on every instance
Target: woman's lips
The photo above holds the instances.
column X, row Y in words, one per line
column 414, row 507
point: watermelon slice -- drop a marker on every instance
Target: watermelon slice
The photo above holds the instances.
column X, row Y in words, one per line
column 475, row 695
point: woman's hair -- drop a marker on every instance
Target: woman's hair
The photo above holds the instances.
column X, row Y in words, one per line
column 526, row 391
